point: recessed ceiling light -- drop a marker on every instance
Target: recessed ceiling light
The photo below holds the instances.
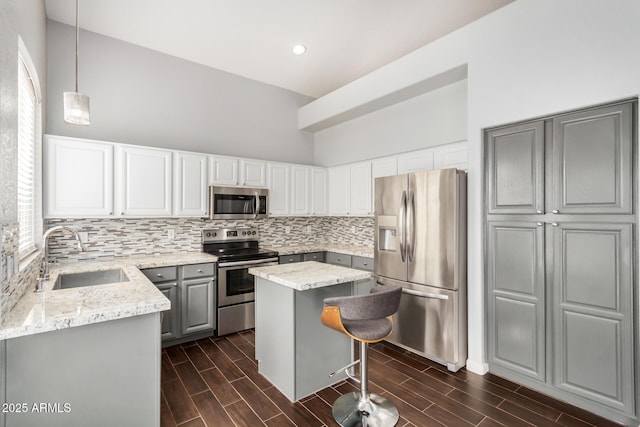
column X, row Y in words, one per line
column 299, row 49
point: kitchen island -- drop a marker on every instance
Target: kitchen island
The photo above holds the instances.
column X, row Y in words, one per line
column 294, row 350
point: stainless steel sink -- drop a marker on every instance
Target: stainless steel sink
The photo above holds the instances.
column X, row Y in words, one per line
column 90, row 278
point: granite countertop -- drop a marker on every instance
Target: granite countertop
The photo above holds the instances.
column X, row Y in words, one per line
column 307, row 275
column 363, row 251
column 65, row 308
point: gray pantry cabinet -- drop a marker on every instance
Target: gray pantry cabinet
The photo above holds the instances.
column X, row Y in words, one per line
column 192, row 292
column 560, row 257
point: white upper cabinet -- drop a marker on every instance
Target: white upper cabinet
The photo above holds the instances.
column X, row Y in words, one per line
column 301, row 191
column 451, row 156
column 253, row 173
column 223, row 171
column 415, row 161
column 339, row 190
column 78, row 178
column 385, row 166
column 279, row 185
column 189, row 184
column 360, row 183
column 319, row 191
column 143, row 181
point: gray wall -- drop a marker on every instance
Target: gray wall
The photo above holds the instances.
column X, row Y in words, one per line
column 140, row 96
column 435, row 118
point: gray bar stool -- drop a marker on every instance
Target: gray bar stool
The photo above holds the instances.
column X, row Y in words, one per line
column 366, row 319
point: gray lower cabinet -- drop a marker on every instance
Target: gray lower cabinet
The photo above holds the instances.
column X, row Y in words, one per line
column 192, row 292
column 560, row 272
column 516, row 297
column 101, row 374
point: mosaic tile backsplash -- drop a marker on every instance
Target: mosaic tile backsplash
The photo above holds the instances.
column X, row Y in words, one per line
column 127, row 236
column 14, row 283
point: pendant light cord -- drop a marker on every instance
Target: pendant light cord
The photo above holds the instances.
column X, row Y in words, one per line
column 77, row 40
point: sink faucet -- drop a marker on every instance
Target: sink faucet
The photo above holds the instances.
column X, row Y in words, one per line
column 44, row 270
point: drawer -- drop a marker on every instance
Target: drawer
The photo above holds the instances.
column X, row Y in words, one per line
column 198, row 270
column 339, row 259
column 314, row 256
column 288, row 259
column 362, row 263
column 161, row 274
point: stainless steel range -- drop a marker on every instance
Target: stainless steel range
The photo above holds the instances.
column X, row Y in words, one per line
column 237, row 250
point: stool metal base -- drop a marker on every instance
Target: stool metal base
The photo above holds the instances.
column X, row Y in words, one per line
column 377, row 411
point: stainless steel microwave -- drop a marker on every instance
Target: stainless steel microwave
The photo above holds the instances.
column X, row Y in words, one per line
column 238, row 202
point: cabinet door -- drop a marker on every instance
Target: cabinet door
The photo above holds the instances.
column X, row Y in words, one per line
column 319, row 191
column 223, row 171
column 415, row 161
column 170, row 318
column 516, row 297
column 593, row 312
column 144, row 181
column 451, row 156
column 592, row 158
column 190, row 184
column 361, row 189
column 279, row 184
column 198, row 305
column 386, row 166
column 515, row 169
column 253, row 173
column 78, row 178
column 300, row 191
column 339, row 190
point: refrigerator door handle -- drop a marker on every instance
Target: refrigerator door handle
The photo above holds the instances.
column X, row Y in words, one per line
column 401, row 224
column 424, row 294
column 411, row 235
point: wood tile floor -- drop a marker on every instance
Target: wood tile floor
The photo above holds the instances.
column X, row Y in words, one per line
column 215, row 382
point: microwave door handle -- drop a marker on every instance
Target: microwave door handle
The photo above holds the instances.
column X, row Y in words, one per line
column 411, row 227
column 401, row 223
column 257, row 205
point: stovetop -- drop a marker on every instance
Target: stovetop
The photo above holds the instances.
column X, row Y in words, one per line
column 234, row 244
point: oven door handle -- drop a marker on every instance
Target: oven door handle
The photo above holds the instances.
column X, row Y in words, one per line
column 257, row 261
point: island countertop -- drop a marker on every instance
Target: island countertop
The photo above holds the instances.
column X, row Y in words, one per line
column 307, row 275
column 65, row 308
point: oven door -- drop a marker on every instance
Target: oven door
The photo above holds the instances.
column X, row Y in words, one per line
column 235, row 284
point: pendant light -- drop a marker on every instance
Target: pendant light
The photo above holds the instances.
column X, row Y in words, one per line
column 76, row 105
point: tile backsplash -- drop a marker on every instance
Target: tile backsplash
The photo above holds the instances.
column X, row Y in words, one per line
column 128, row 236
column 14, row 282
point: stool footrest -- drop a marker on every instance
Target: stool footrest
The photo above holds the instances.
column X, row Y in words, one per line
column 346, row 371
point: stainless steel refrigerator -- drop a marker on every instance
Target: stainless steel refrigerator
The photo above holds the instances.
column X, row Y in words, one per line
column 420, row 245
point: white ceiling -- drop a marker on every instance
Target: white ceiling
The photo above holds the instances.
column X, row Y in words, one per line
column 345, row 39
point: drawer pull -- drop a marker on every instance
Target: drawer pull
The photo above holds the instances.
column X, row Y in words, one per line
column 159, row 274
column 364, row 263
column 199, row 271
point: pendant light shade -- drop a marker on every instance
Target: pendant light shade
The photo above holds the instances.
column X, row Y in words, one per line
column 76, row 105
column 76, row 108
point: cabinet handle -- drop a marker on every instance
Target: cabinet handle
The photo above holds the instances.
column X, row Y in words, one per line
column 199, row 271
column 110, row 213
column 364, row 263
column 538, row 211
column 159, row 274
column 538, row 224
column 121, row 213
column 555, row 224
column 555, row 211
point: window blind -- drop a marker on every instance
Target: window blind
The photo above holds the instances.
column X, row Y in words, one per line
column 26, row 152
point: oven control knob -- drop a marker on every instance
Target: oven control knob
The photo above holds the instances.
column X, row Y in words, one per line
column 208, row 234
column 254, row 232
column 215, row 234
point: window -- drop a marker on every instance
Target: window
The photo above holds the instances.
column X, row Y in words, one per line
column 27, row 113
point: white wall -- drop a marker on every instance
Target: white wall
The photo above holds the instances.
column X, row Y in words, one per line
column 140, row 96
column 435, row 118
column 529, row 59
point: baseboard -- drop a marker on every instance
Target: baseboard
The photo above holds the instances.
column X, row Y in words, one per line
column 476, row 367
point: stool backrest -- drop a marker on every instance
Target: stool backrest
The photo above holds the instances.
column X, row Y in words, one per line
column 381, row 302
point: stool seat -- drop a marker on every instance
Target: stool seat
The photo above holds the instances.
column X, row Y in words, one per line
column 366, row 319
column 368, row 330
